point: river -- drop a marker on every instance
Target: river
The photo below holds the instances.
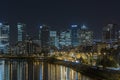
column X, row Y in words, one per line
column 36, row 70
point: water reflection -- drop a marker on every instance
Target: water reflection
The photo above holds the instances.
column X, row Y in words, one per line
column 36, row 70
column 57, row 72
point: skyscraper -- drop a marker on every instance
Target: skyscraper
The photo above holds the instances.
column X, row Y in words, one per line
column 119, row 35
column 85, row 36
column 65, row 38
column 54, row 39
column 4, row 38
column 74, row 35
column 110, row 33
column 21, row 31
column 44, row 36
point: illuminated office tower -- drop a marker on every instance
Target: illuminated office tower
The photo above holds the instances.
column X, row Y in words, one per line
column 68, row 38
column 21, row 32
column 110, row 33
column 4, row 38
column 74, row 35
column 65, row 38
column 44, row 36
column 85, row 36
column 62, row 39
column 54, row 39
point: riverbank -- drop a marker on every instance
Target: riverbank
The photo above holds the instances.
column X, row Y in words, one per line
column 89, row 71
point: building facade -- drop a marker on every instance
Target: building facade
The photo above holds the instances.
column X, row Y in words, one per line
column 110, row 33
column 65, row 39
column 44, row 37
column 85, row 36
column 54, row 39
column 4, row 38
column 21, row 31
column 74, row 35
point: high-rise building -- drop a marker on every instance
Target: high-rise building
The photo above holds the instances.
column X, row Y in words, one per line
column 54, row 39
column 65, row 38
column 74, row 35
column 62, row 39
column 119, row 35
column 44, row 36
column 21, row 31
column 110, row 33
column 68, row 38
column 4, row 38
column 85, row 36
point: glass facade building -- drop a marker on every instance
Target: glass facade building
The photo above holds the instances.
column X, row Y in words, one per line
column 4, row 38
column 65, row 38
column 85, row 36
column 54, row 39
column 74, row 35
column 21, row 32
column 44, row 36
column 110, row 33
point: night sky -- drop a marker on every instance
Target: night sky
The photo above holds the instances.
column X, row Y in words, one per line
column 60, row 14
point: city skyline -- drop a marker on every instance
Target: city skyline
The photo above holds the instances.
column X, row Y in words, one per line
column 35, row 33
column 59, row 39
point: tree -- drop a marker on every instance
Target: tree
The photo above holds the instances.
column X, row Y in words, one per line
column 107, row 61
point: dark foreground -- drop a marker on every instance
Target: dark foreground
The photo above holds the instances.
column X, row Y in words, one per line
column 87, row 70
